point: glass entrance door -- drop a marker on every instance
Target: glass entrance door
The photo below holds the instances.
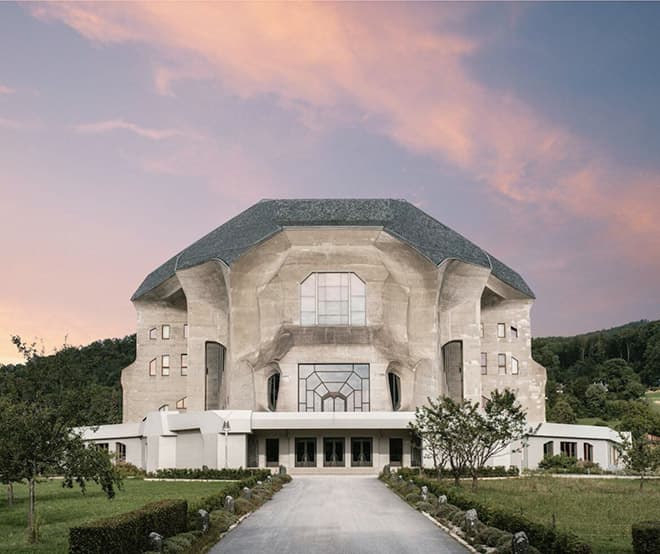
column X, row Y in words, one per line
column 361, row 452
column 333, row 452
column 305, row 452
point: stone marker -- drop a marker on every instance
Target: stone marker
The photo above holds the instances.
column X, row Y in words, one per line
column 155, row 541
column 269, row 478
column 425, row 493
column 442, row 499
column 259, row 483
column 204, row 518
column 520, row 543
column 247, row 493
column 282, row 470
column 471, row 520
column 229, row 504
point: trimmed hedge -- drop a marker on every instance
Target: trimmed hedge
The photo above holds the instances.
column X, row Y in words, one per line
column 646, row 537
column 206, row 473
column 488, row 471
column 128, row 533
column 544, row 537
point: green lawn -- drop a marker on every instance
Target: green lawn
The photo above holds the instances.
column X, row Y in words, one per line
column 654, row 398
column 600, row 511
column 59, row 508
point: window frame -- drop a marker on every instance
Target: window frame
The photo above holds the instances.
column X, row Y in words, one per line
column 549, row 448
column 515, row 366
column 484, row 363
column 501, row 365
column 273, row 396
column 514, row 331
column 120, row 451
column 165, row 335
column 568, row 448
column 184, row 364
column 153, row 367
column 393, row 378
column 165, row 368
column 501, row 330
column 351, row 297
column 268, row 445
column 186, row 331
column 153, row 333
column 588, row 448
column 181, row 403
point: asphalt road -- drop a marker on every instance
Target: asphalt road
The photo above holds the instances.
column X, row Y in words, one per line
column 336, row 514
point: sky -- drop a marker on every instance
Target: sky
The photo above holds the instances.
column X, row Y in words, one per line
column 128, row 131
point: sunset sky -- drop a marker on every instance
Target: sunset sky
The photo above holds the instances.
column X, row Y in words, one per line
column 128, row 131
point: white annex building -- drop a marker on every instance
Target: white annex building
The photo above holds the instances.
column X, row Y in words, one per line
column 304, row 333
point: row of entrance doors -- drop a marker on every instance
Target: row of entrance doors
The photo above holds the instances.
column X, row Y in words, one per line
column 334, row 452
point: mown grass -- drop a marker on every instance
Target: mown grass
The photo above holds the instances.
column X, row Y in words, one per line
column 59, row 508
column 653, row 396
column 600, row 511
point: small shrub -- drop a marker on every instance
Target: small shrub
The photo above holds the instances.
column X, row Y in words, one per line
column 126, row 469
column 413, row 497
column 425, row 507
column 490, row 536
column 207, row 473
column 243, row 506
column 457, row 518
column 222, row 520
column 646, row 537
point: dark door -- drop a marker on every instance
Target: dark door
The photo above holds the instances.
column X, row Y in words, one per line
column 305, row 452
column 452, row 361
column 333, row 452
column 396, row 452
column 215, row 366
column 361, row 452
column 272, row 452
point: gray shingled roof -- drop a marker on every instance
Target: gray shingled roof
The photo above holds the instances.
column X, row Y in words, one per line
column 401, row 219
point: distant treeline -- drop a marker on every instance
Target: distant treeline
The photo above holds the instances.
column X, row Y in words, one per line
column 602, row 374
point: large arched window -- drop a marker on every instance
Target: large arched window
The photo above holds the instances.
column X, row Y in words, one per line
column 394, row 383
column 333, row 299
column 273, row 387
column 215, row 366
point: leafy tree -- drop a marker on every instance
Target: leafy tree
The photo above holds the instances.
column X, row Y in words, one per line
column 640, row 455
column 426, row 427
column 596, row 398
column 562, row 412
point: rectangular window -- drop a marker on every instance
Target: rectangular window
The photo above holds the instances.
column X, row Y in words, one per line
column 165, row 331
column 501, row 330
column 396, row 452
column 548, row 449
column 252, row 451
column 185, row 331
column 484, row 363
column 568, row 449
column 120, row 451
column 184, row 364
column 588, row 452
column 514, row 332
column 153, row 333
column 102, row 446
column 305, row 452
column 416, row 452
column 272, row 452
column 514, row 366
column 333, row 388
column 165, row 364
column 332, row 299
column 501, row 364
column 152, row 367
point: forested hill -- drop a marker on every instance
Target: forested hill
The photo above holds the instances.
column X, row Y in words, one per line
column 84, row 380
column 601, row 377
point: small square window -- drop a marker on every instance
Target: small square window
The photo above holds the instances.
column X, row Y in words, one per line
column 185, row 330
column 166, row 332
column 514, row 366
column 165, row 364
column 501, row 363
column 501, row 330
column 514, row 332
column 152, row 367
column 181, row 403
column 184, row 364
column 484, row 363
column 153, row 333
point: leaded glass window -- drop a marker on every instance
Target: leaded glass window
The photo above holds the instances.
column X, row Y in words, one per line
column 333, row 388
column 333, row 299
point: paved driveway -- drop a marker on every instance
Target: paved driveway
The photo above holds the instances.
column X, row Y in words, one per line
column 336, row 514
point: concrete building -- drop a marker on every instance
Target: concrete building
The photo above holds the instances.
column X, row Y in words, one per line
column 305, row 333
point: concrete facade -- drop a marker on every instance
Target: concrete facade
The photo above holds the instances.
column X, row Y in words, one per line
column 232, row 311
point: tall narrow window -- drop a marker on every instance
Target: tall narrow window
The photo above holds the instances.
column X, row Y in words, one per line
column 484, row 363
column 332, row 299
column 514, row 332
column 501, row 330
column 588, row 452
column 152, row 367
column 548, row 449
column 185, row 331
column 415, row 451
column 272, row 452
column 215, row 365
column 153, row 333
column 568, row 448
column 165, row 330
column 165, row 364
column 184, row 364
column 396, row 452
column 394, row 382
column 273, row 391
column 514, row 366
column 501, row 364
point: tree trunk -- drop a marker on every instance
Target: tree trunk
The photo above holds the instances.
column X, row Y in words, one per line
column 10, row 494
column 32, row 524
column 641, row 482
column 457, row 479
column 474, row 482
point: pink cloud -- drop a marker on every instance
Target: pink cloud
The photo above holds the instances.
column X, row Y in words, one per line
column 397, row 72
column 108, row 126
